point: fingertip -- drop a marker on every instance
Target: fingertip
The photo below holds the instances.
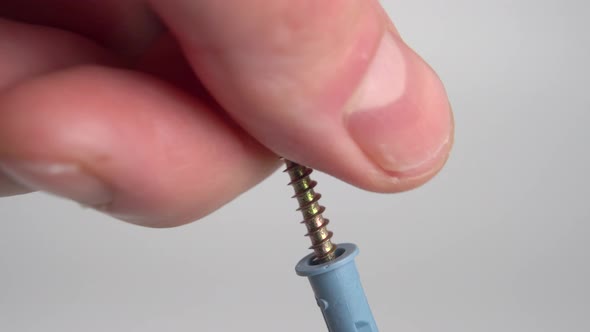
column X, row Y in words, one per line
column 400, row 115
column 342, row 94
column 9, row 187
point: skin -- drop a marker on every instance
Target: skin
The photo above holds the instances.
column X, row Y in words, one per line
column 160, row 112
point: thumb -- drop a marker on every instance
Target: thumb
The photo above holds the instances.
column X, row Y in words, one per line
column 329, row 84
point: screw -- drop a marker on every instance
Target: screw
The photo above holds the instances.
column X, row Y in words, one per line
column 311, row 210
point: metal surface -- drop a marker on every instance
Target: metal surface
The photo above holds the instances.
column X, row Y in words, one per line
column 324, row 249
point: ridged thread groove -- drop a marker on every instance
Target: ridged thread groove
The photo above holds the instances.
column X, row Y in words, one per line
column 308, row 199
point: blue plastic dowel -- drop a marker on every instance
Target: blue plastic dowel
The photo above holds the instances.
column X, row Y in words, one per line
column 338, row 291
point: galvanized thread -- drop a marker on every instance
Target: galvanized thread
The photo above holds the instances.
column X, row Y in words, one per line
column 311, row 210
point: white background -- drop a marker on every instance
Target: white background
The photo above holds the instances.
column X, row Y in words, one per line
column 499, row 241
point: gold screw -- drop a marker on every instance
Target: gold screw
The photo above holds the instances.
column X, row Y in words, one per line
column 311, row 210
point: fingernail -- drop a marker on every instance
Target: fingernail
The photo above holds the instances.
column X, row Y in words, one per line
column 62, row 179
column 400, row 115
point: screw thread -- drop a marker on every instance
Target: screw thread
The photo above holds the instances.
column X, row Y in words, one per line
column 311, row 210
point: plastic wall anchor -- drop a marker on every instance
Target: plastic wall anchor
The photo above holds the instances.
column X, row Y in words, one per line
column 338, row 291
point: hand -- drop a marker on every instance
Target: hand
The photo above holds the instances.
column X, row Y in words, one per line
column 159, row 112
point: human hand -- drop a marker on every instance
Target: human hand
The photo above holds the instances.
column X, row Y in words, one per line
column 99, row 105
